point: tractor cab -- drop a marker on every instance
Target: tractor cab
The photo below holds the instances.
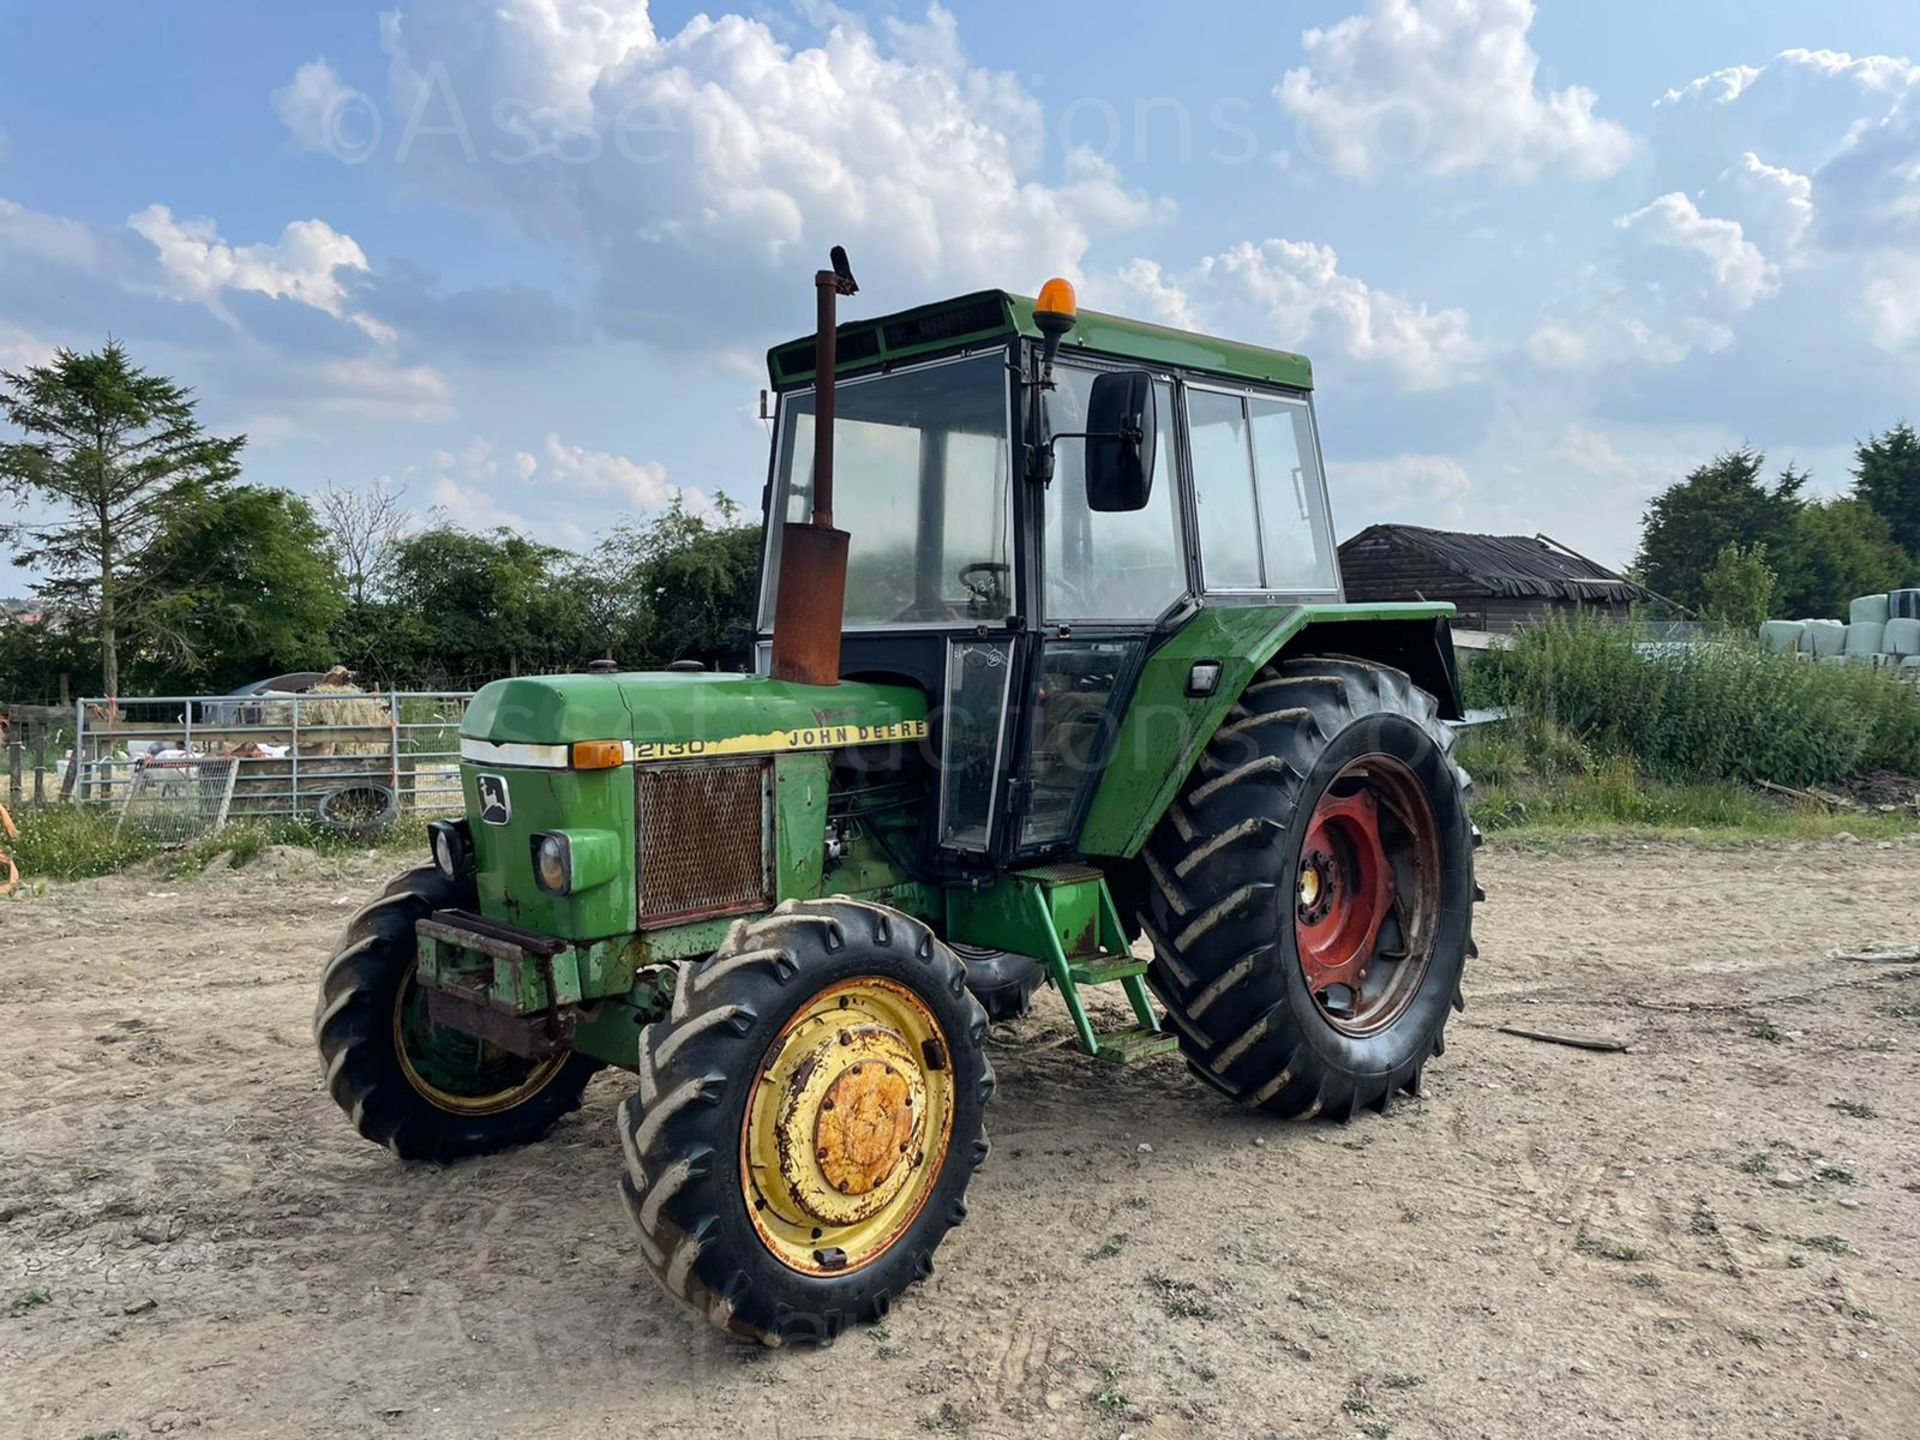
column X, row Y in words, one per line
column 1032, row 499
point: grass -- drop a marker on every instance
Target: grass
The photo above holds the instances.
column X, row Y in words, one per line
column 1609, row 1250
column 1836, row 1175
column 1108, row 1401
column 1827, row 1244
column 1719, row 711
column 1760, row 1162
column 1902, row 1007
column 68, row 842
column 1608, row 739
column 1182, row 1299
column 1760, row 1028
column 1857, row 1109
column 26, row 1300
column 1645, row 1280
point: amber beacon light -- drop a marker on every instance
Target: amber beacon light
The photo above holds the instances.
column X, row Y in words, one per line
column 1057, row 308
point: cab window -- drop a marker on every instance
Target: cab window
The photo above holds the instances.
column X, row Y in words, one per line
column 1112, row 565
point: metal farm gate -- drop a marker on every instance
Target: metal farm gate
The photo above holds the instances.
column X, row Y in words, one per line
column 354, row 762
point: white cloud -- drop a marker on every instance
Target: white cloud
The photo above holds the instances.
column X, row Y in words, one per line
column 1156, row 297
column 1293, row 294
column 1892, row 300
column 639, row 484
column 1410, row 489
column 315, row 105
column 1448, row 86
column 379, row 389
column 462, row 489
column 1773, row 203
column 20, row 348
column 564, row 493
column 303, row 266
column 720, row 150
column 51, row 238
column 1880, row 74
column 1739, row 271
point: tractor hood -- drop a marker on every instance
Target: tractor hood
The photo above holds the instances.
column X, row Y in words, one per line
column 674, row 715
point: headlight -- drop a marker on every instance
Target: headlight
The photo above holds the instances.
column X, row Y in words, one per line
column 452, row 847
column 553, row 864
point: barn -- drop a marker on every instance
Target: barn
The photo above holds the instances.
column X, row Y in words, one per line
column 1498, row 582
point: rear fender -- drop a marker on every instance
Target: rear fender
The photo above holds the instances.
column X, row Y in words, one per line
column 1165, row 729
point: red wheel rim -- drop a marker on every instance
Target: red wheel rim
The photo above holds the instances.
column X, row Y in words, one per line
column 1366, row 901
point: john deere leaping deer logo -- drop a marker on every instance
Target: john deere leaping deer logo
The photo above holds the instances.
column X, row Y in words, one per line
column 495, row 806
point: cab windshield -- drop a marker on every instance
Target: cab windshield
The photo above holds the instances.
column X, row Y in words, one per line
column 920, row 484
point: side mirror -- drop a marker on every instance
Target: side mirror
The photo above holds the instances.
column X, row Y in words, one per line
column 1123, row 429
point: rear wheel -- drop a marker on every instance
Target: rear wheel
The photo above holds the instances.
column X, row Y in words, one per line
column 1312, row 896
column 807, row 1120
column 424, row 1091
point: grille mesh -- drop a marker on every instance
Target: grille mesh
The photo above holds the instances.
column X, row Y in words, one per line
column 703, row 833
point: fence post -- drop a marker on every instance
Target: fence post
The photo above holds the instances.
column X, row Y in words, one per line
column 16, row 755
column 40, row 770
column 293, row 754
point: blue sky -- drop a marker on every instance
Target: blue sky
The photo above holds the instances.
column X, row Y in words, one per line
column 523, row 257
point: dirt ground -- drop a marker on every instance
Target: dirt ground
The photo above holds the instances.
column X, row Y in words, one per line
column 1716, row 1233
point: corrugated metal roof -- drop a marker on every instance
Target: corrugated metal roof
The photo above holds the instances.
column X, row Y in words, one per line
column 1510, row 564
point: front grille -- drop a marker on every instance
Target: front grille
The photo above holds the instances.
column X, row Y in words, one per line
column 705, row 836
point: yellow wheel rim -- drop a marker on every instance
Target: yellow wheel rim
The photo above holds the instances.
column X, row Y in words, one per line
column 846, row 1130
column 435, row 1061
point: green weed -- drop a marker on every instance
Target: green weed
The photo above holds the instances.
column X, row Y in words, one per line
column 27, row 1300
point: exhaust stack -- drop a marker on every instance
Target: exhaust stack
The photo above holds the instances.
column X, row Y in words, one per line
column 810, row 604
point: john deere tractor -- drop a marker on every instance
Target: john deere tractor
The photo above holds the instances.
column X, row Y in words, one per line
column 1053, row 672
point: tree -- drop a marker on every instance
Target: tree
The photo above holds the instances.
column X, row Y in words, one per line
column 681, row 587
column 366, row 527
column 1738, row 590
column 1720, row 504
column 114, row 452
column 466, row 609
column 1837, row 550
column 1886, row 475
column 247, row 587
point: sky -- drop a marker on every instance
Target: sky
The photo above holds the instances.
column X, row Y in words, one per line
column 524, row 258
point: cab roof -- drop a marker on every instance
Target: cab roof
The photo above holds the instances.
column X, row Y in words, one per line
column 988, row 315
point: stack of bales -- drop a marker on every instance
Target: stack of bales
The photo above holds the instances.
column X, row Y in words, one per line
column 1880, row 630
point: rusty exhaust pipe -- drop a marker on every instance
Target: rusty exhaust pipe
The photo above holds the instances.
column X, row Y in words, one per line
column 810, row 603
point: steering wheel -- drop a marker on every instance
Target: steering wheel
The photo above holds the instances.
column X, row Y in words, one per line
column 986, row 592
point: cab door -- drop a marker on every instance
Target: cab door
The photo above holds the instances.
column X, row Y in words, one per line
column 1104, row 581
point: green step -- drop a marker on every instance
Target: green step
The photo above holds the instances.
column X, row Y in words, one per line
column 1123, row 1046
column 1105, row 969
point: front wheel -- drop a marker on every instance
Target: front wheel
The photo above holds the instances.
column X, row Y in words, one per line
column 424, row 1091
column 807, row 1120
column 1313, row 891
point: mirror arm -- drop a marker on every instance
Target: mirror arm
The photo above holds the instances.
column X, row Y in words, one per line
column 1040, row 443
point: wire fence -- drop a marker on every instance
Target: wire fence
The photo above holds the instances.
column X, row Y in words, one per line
column 353, row 761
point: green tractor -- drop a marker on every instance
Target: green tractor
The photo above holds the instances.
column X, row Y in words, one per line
column 1072, row 682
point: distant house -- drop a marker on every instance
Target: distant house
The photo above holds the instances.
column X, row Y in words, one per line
column 1498, row 582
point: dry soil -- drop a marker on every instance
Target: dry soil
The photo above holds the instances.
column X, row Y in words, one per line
column 1715, row 1233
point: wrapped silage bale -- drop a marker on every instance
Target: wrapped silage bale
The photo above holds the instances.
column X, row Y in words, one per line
column 1904, row 605
column 1902, row 637
column 1870, row 610
column 1781, row 637
column 1865, row 638
column 1825, row 638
